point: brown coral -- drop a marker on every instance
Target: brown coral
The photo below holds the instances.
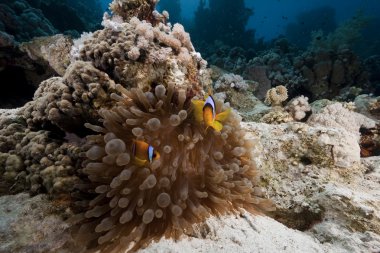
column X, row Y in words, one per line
column 72, row 100
column 370, row 141
column 129, row 53
column 374, row 108
column 143, row 9
column 199, row 173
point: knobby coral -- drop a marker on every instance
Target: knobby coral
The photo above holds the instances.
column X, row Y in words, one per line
column 276, row 95
column 199, row 173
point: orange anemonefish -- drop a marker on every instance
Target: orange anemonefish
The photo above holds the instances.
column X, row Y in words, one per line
column 206, row 111
column 142, row 153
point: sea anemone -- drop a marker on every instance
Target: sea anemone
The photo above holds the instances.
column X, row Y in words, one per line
column 199, row 173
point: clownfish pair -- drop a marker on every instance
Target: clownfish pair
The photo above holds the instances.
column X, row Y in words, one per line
column 143, row 153
column 205, row 111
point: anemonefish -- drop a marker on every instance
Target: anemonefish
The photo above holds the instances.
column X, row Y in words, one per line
column 205, row 111
column 143, row 153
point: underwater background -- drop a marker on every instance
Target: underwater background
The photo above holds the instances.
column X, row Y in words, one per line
column 233, row 36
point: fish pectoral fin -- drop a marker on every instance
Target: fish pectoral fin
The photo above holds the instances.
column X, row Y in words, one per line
column 223, row 115
column 139, row 162
column 198, row 109
column 217, row 126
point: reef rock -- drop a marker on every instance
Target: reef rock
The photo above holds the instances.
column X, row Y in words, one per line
column 318, row 181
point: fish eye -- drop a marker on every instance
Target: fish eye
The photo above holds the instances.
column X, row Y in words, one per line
column 154, row 155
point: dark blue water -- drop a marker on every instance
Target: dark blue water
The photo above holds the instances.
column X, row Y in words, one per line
column 271, row 17
column 231, row 34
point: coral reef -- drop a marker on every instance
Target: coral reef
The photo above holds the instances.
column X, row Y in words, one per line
column 176, row 62
column 53, row 50
column 317, row 74
column 31, row 224
column 190, row 181
column 35, row 160
column 207, row 21
column 24, row 66
column 142, row 9
column 72, row 100
column 138, row 78
column 26, row 19
column 22, row 21
column 335, row 115
column 318, row 19
column 127, row 91
column 231, row 81
column 343, row 37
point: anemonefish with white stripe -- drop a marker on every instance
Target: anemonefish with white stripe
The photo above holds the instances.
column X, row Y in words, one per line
column 205, row 111
column 143, row 153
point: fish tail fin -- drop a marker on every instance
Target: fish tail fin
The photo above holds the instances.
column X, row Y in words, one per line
column 217, row 125
column 223, row 115
column 198, row 109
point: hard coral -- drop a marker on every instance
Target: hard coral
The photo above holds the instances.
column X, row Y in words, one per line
column 127, row 52
column 72, row 100
column 199, row 173
column 277, row 95
column 143, row 9
column 298, row 107
column 370, row 141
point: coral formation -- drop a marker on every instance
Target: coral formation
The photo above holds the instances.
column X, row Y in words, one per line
column 127, row 9
column 317, row 74
column 55, row 50
column 207, row 26
column 113, row 139
column 317, row 19
column 35, row 160
column 26, row 19
column 199, row 173
column 276, row 96
column 72, row 100
column 137, row 77
column 343, row 37
column 298, row 107
column 335, row 115
column 227, row 81
column 23, row 21
column 176, row 62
